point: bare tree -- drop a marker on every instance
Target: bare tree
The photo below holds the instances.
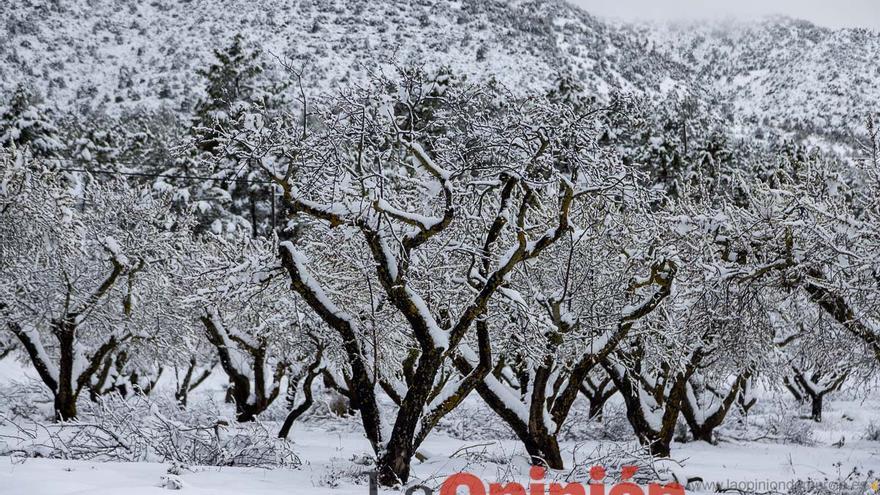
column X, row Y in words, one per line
column 72, row 282
column 443, row 211
column 705, row 407
column 248, row 316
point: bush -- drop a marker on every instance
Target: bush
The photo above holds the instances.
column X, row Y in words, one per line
column 786, row 428
column 872, row 432
column 146, row 429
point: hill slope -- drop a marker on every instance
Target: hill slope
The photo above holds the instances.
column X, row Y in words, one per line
column 116, row 55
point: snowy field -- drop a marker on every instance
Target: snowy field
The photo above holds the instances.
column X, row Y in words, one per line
column 327, row 467
column 835, row 455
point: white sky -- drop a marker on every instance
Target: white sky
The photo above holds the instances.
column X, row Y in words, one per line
column 831, row 13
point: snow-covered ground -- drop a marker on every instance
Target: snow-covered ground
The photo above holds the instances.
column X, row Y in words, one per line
column 330, row 464
column 755, row 456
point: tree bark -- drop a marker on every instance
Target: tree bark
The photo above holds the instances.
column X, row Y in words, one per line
column 544, row 450
column 816, row 408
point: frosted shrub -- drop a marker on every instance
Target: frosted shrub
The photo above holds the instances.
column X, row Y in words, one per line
column 872, row 432
column 141, row 429
column 787, row 429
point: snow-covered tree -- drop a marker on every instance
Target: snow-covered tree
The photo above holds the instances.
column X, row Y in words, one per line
column 816, row 231
column 78, row 270
column 249, row 316
column 230, row 194
column 815, row 356
column 24, row 122
column 573, row 308
column 405, row 250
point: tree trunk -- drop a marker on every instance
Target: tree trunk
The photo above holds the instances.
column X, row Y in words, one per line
column 65, row 405
column 798, row 396
column 65, row 396
column 394, row 467
column 544, row 451
column 293, row 383
column 597, row 394
column 816, row 408
column 657, row 441
column 394, row 463
column 704, row 433
column 660, row 447
column 240, row 387
column 825, row 384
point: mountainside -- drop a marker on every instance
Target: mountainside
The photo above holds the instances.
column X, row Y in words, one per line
column 117, row 55
column 122, row 54
column 789, row 73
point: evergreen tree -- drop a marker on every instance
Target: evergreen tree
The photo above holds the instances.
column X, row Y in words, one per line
column 568, row 90
column 96, row 141
column 25, row 122
column 231, row 90
column 235, row 197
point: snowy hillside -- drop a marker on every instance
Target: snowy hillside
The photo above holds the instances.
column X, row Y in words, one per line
column 122, row 54
column 117, row 55
column 783, row 72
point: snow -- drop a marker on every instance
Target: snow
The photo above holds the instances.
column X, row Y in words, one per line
column 327, row 463
column 652, row 412
column 34, row 337
column 237, row 359
column 510, row 398
column 428, row 162
column 327, row 450
column 112, row 245
column 423, row 221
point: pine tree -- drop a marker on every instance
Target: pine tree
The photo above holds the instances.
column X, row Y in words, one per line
column 231, row 90
column 233, row 198
column 96, row 141
column 567, row 89
column 25, row 122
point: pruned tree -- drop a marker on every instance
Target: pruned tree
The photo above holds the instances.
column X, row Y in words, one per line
column 713, row 328
column 816, row 384
column 584, row 306
column 819, row 220
column 705, row 406
column 75, row 271
column 406, row 249
column 815, row 356
column 248, row 316
column 653, row 395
